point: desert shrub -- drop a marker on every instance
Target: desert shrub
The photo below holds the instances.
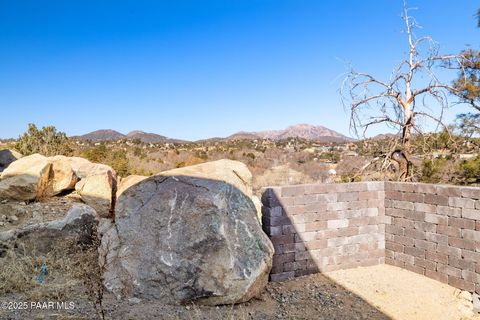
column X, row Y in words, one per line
column 180, row 164
column 97, row 154
column 117, row 159
column 469, row 170
column 46, row 141
column 433, row 170
column 137, row 152
column 201, row 154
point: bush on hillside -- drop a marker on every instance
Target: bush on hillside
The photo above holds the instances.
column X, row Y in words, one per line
column 46, row 141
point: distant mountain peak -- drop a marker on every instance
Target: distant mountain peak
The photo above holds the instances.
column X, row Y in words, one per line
column 135, row 132
column 302, row 130
column 108, row 134
column 102, row 134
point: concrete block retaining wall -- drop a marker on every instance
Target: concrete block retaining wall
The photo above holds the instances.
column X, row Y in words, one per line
column 433, row 230
column 324, row 227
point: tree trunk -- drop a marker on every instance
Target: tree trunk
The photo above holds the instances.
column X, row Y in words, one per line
column 407, row 175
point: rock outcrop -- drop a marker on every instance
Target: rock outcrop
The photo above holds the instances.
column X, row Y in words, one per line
column 77, row 226
column 180, row 239
column 127, row 182
column 233, row 172
column 61, row 176
column 258, row 206
column 25, row 179
column 98, row 191
column 8, row 156
column 83, row 168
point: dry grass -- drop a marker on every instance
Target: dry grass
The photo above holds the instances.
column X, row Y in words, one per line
column 73, row 271
column 18, row 273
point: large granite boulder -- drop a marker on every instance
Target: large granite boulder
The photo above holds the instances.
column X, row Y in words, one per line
column 25, row 179
column 77, row 227
column 184, row 239
column 8, row 156
column 98, row 191
column 61, row 176
column 127, row 182
column 233, row 172
column 83, row 168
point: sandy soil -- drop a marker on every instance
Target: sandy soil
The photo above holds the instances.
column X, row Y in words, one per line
column 401, row 294
column 379, row 292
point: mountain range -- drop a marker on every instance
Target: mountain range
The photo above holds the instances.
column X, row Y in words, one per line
column 305, row 131
column 108, row 134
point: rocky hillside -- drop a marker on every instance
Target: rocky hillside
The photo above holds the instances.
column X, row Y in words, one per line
column 305, row 131
column 146, row 137
column 99, row 135
column 108, row 134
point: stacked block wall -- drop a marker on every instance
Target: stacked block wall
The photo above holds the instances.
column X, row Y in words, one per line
column 324, row 227
column 433, row 230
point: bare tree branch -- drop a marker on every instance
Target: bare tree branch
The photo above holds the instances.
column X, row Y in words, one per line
column 373, row 101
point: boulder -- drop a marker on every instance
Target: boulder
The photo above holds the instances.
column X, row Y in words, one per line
column 108, row 255
column 98, row 191
column 61, row 176
column 8, row 156
column 80, row 166
column 83, row 168
column 258, row 206
column 182, row 239
column 77, row 226
column 127, row 182
column 233, row 172
column 25, row 179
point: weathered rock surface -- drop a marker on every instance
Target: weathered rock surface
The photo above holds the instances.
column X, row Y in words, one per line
column 83, row 168
column 108, row 256
column 98, row 191
column 258, row 206
column 61, row 176
column 182, row 239
column 8, row 156
column 77, row 226
column 233, row 172
column 127, row 182
column 25, row 179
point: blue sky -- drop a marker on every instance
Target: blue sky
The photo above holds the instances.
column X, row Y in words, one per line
column 198, row 69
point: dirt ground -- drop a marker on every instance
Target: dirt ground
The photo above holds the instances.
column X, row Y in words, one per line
column 379, row 292
column 401, row 294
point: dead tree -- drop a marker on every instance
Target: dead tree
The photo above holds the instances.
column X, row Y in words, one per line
column 405, row 102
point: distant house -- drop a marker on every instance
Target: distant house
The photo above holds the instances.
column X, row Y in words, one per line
column 466, row 156
column 350, row 154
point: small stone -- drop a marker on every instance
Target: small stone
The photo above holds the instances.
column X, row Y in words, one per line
column 37, row 216
column 465, row 295
column 134, row 300
column 4, row 201
column 13, row 219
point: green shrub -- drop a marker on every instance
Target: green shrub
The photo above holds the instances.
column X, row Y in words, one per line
column 116, row 159
column 47, row 141
column 470, row 170
column 432, row 170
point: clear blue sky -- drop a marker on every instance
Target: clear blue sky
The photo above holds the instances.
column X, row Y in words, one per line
column 197, row 69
